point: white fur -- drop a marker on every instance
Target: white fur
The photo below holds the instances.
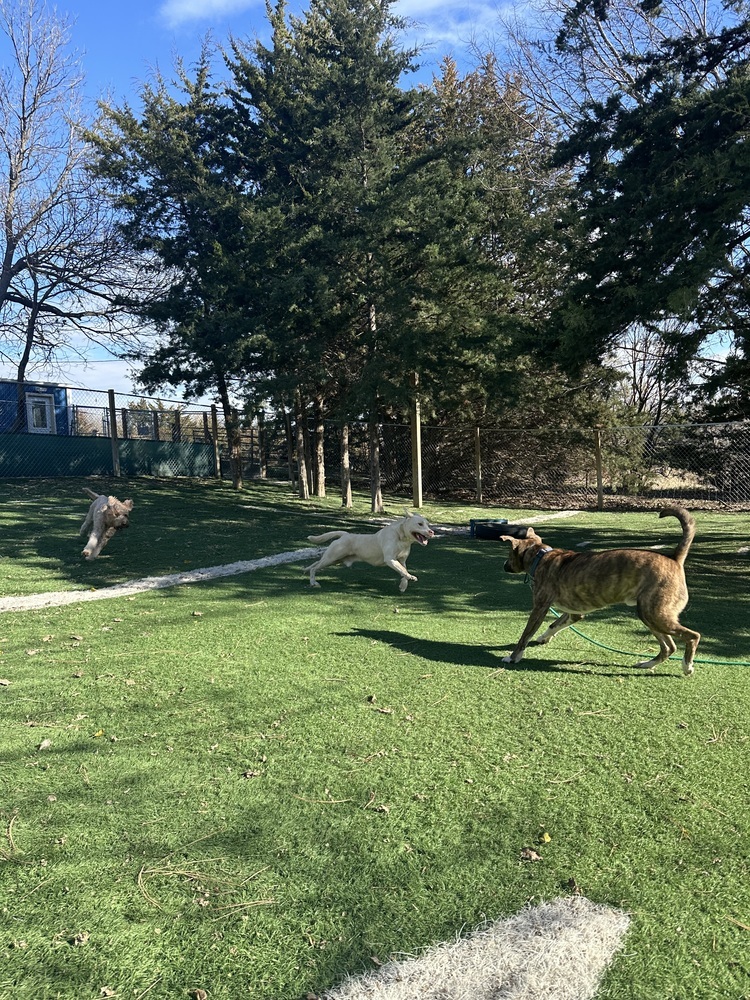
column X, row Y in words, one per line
column 105, row 516
column 388, row 547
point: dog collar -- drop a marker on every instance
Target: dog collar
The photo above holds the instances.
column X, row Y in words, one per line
column 536, row 560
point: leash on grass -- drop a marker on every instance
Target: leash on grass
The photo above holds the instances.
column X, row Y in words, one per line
column 627, row 652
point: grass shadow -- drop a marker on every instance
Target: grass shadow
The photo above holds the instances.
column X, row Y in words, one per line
column 478, row 655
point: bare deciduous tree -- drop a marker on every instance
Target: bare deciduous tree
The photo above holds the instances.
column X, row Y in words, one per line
column 560, row 72
column 62, row 264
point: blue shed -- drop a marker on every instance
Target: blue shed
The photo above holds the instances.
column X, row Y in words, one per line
column 44, row 408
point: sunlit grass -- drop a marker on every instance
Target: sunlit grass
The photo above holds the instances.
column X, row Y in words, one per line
column 252, row 788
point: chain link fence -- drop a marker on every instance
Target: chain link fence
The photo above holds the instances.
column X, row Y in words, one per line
column 50, row 430
column 700, row 464
column 54, row 430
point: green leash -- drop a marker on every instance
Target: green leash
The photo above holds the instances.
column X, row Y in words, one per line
column 626, row 652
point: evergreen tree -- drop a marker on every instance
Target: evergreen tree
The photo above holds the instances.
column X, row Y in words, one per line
column 175, row 188
column 370, row 282
column 662, row 199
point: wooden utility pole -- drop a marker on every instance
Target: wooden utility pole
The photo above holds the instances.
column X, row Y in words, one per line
column 599, row 477
column 478, row 462
column 416, row 445
column 113, row 433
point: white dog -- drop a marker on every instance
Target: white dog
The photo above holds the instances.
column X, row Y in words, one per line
column 388, row 547
column 106, row 515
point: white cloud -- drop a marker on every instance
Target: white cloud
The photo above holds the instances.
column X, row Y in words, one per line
column 177, row 12
column 440, row 27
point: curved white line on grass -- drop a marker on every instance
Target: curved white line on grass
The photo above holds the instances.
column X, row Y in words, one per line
column 60, row 597
column 538, row 518
column 558, row 949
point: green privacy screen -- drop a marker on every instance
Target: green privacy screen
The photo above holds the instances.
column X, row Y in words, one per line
column 51, row 455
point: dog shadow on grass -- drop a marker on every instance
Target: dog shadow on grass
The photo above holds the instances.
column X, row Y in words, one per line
column 465, row 654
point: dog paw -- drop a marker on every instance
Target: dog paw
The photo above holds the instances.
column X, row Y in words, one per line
column 648, row 664
column 688, row 669
column 403, row 584
column 313, row 584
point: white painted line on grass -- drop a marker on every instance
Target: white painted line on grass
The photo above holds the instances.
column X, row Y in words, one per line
column 60, row 597
column 558, row 949
column 548, row 517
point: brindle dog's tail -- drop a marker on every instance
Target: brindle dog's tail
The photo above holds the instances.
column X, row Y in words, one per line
column 688, row 531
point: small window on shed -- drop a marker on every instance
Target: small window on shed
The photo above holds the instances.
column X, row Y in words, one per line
column 40, row 413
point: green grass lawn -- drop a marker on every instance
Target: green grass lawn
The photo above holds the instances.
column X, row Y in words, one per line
column 252, row 788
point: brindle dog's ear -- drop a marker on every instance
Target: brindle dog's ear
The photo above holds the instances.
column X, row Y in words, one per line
column 517, row 531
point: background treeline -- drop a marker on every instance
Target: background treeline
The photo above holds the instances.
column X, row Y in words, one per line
column 558, row 236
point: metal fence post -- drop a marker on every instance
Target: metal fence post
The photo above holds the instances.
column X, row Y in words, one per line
column 598, row 459
column 113, row 433
column 215, row 440
column 416, row 446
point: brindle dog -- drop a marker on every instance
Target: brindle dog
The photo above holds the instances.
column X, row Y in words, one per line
column 579, row 582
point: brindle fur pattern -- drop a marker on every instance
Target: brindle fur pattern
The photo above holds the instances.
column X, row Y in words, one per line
column 576, row 583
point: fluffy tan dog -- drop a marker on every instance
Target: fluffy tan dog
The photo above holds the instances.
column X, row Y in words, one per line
column 105, row 516
column 388, row 547
column 578, row 582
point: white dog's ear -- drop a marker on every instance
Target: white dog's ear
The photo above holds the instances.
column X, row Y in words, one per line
column 407, row 512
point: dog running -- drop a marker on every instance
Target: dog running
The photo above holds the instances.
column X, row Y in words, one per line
column 579, row 582
column 105, row 517
column 388, row 547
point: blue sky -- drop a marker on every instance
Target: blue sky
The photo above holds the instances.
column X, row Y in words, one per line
column 120, row 45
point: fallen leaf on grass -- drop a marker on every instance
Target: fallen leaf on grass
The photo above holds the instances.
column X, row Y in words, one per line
column 81, row 938
column 251, row 774
column 44, row 745
column 4, row 683
column 47, row 638
column 199, row 994
column 528, row 854
column 544, row 838
column 32, row 652
column 107, row 991
column 99, row 732
column 197, row 614
column 78, row 638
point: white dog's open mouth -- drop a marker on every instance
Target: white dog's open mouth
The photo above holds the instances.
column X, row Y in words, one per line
column 419, row 537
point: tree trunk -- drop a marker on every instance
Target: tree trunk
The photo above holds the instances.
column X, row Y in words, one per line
column 20, row 422
column 290, row 446
column 346, row 472
column 234, row 433
column 299, row 419
column 319, row 469
column 376, row 494
column 306, row 446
